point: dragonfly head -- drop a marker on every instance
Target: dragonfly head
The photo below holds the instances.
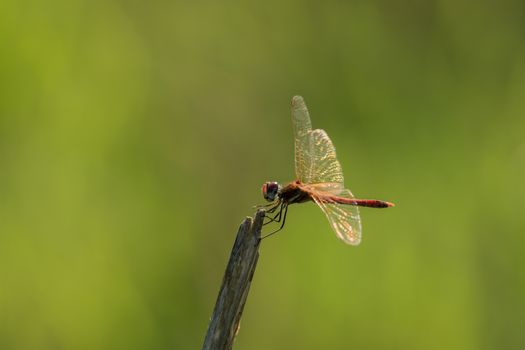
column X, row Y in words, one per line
column 270, row 191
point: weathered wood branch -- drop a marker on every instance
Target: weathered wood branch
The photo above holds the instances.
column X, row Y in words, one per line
column 227, row 313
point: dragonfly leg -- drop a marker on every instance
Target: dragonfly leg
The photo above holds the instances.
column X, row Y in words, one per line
column 275, row 219
column 285, row 208
column 276, row 205
column 262, row 206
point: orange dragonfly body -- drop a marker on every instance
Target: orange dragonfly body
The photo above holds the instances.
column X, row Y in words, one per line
column 319, row 179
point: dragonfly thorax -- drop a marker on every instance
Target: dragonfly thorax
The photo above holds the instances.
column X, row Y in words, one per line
column 270, row 190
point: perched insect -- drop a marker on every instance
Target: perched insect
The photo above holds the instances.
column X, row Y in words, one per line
column 319, row 179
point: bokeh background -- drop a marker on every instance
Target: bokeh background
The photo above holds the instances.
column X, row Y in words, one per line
column 135, row 136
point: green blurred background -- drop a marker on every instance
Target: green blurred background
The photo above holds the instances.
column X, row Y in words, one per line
column 135, row 136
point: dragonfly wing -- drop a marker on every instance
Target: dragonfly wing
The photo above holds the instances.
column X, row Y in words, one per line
column 302, row 128
column 325, row 168
column 333, row 188
column 343, row 218
column 315, row 158
column 317, row 167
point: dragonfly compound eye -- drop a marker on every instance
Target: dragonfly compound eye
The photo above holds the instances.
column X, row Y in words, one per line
column 270, row 190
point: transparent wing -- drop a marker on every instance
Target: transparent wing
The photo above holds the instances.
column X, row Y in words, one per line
column 325, row 167
column 343, row 218
column 315, row 157
column 334, row 188
column 317, row 167
column 302, row 128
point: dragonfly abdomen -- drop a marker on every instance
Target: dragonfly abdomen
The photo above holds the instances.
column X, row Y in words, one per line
column 372, row 203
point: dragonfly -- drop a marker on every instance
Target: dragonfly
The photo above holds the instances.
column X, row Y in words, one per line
column 319, row 178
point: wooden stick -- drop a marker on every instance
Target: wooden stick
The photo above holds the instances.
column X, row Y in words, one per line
column 226, row 318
